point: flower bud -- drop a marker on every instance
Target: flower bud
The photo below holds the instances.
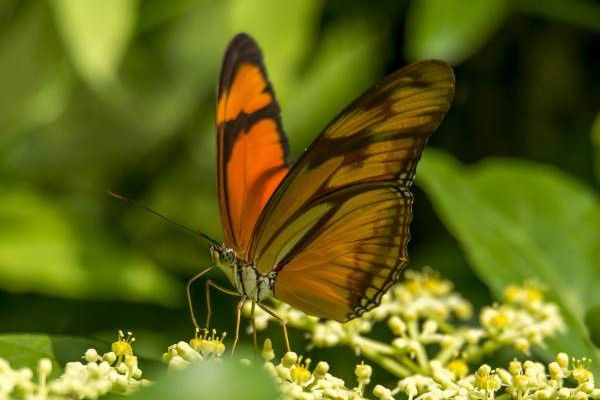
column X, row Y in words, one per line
column 563, row 360
column 556, row 372
column 44, row 367
column 363, row 373
column 563, row 393
column 580, row 396
column 382, row 393
column 544, row 394
column 397, row 326
column 504, row 375
column 268, row 354
column 522, row 345
column 587, row 387
column 289, row 359
column 321, row 369
column 109, row 357
column 521, row 382
column 429, row 327
column 91, row 355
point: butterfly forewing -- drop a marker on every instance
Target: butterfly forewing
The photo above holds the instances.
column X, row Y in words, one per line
column 364, row 162
column 253, row 155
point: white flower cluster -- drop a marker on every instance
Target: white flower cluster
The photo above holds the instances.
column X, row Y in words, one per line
column 429, row 322
column 297, row 382
column 433, row 343
column 203, row 347
column 523, row 320
column 520, row 381
column 115, row 371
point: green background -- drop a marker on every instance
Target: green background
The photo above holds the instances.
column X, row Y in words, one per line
column 120, row 94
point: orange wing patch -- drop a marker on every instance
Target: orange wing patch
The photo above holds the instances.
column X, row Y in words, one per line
column 254, row 171
column 247, row 94
column 253, row 156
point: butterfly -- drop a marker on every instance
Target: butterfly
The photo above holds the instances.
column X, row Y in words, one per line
column 327, row 234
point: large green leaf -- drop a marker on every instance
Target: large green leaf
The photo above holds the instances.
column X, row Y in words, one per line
column 210, row 381
column 42, row 250
column 596, row 142
column 451, row 30
column 96, row 34
column 25, row 350
column 518, row 220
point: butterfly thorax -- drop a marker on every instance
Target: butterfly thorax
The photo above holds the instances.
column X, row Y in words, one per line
column 244, row 276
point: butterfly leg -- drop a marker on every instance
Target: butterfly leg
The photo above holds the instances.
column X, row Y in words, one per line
column 254, row 339
column 209, row 283
column 238, row 316
column 189, row 296
column 281, row 320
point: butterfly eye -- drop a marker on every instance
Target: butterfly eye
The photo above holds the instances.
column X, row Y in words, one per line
column 228, row 256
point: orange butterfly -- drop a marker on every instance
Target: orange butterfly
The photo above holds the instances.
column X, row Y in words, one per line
column 327, row 234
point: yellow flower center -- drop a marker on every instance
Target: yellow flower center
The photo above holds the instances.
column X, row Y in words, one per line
column 299, row 371
column 435, row 285
column 533, row 294
column 300, row 375
column 122, row 347
column 581, row 370
column 512, row 293
column 500, row 320
column 459, row 368
column 486, row 379
column 208, row 344
column 412, row 286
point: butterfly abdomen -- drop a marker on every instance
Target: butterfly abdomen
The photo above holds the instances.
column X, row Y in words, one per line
column 252, row 284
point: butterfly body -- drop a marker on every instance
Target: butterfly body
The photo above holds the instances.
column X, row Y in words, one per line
column 245, row 277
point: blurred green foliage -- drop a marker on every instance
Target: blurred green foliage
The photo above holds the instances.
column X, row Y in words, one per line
column 512, row 220
column 120, row 94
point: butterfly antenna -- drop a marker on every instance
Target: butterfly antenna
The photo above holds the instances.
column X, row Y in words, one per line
column 135, row 203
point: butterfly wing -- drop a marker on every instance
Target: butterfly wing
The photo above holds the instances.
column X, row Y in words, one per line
column 252, row 150
column 336, row 228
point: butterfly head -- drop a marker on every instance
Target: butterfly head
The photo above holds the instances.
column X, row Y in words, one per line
column 225, row 258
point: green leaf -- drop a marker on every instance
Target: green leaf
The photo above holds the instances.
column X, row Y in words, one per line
column 592, row 320
column 210, row 381
column 41, row 251
column 596, row 143
column 96, row 34
column 25, row 350
column 451, row 30
column 518, row 220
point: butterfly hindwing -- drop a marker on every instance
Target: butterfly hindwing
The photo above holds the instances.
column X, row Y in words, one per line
column 350, row 255
column 253, row 155
column 336, row 228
